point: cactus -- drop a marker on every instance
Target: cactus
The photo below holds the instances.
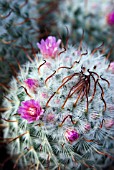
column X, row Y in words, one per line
column 58, row 113
column 91, row 16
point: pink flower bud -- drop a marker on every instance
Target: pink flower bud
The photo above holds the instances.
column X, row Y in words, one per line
column 111, row 68
column 71, row 135
column 32, row 84
column 109, row 123
column 110, row 18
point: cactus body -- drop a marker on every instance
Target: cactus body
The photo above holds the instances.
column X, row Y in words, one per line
column 59, row 111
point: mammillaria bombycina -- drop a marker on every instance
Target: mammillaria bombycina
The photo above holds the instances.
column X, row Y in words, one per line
column 67, row 121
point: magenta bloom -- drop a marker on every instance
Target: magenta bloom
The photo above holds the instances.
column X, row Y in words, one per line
column 32, row 84
column 30, row 110
column 49, row 47
column 110, row 18
column 71, row 135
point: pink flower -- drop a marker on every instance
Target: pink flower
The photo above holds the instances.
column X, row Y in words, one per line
column 110, row 18
column 30, row 110
column 49, row 47
column 71, row 135
column 111, row 68
column 109, row 123
column 32, row 84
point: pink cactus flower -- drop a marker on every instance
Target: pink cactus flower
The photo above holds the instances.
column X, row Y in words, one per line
column 109, row 123
column 32, row 84
column 30, row 110
column 71, row 135
column 49, row 47
column 110, row 18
